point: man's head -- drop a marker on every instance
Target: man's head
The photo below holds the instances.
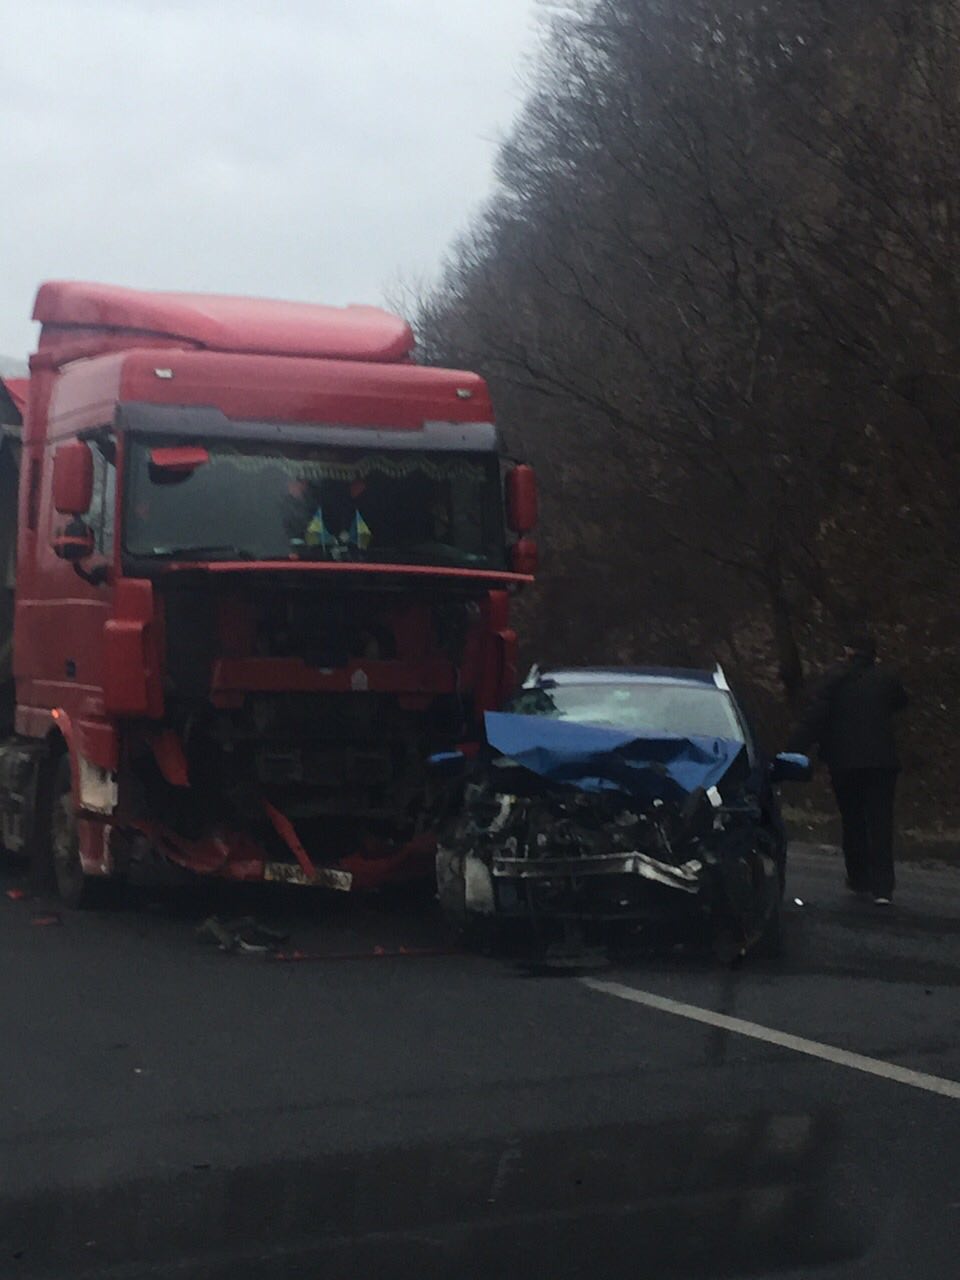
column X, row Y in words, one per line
column 860, row 646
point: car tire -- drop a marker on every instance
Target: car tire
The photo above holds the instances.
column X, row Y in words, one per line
column 769, row 946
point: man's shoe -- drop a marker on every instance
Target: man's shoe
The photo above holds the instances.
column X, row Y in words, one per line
column 860, row 890
column 881, row 902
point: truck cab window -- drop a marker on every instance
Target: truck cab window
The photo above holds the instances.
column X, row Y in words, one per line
column 101, row 514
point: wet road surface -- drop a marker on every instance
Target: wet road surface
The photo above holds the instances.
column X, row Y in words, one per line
column 172, row 1110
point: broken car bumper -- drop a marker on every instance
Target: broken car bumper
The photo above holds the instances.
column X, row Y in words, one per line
column 621, row 886
column 687, row 877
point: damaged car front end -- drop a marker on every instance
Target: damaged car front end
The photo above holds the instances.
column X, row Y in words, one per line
column 590, row 833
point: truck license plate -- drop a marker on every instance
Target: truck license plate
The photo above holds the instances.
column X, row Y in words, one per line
column 292, row 873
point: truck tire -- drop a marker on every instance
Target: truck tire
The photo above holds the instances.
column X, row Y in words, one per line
column 62, row 845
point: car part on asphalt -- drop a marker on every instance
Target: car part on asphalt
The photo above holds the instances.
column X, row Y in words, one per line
column 244, row 935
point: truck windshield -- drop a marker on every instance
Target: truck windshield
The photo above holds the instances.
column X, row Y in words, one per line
column 261, row 502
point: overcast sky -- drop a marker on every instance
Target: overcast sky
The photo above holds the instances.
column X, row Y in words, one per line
column 313, row 149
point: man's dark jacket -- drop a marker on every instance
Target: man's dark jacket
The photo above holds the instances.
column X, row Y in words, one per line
column 850, row 716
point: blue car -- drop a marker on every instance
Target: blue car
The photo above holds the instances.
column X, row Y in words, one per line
column 615, row 802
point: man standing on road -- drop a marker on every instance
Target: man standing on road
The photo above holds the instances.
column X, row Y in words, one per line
column 851, row 718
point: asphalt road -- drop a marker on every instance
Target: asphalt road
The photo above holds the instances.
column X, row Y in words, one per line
column 171, row 1110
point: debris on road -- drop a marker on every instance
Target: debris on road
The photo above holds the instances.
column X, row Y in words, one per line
column 44, row 920
column 16, row 895
column 243, row 935
column 378, row 953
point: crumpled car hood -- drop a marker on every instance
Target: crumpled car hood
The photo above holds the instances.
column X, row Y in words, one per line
column 594, row 759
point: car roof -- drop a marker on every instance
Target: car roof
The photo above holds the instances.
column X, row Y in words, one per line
column 687, row 676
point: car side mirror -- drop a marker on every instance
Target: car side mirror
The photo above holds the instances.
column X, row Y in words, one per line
column 446, row 764
column 790, row 766
column 73, row 478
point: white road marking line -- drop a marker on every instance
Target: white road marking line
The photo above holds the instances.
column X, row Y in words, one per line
column 812, row 1048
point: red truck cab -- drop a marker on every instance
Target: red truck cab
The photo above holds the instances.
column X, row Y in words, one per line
column 263, row 575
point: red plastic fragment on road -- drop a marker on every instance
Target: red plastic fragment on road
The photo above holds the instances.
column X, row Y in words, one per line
column 44, row 921
column 16, row 895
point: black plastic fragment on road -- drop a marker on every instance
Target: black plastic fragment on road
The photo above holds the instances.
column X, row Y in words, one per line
column 245, row 935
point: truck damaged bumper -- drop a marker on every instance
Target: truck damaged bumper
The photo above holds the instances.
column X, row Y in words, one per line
column 241, row 858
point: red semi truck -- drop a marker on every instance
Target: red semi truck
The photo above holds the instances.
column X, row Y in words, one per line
column 263, row 570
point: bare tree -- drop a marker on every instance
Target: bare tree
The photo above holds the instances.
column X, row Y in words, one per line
column 716, row 295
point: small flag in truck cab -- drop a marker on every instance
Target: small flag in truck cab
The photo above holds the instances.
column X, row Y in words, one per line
column 317, row 534
column 360, row 532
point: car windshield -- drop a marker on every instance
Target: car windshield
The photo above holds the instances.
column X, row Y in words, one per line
column 259, row 502
column 643, row 707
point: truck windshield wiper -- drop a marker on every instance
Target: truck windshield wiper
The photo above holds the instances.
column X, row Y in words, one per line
column 439, row 553
column 421, row 553
column 225, row 551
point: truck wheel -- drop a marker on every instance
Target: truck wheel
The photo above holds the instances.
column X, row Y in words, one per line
column 74, row 888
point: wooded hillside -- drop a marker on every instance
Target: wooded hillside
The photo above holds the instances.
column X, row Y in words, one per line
column 717, row 297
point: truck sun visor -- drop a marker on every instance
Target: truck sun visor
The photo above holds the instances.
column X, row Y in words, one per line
column 211, row 424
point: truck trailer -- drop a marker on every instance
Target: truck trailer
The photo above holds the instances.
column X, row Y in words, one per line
column 257, row 573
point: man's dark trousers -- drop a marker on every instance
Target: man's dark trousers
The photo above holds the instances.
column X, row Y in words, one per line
column 865, row 799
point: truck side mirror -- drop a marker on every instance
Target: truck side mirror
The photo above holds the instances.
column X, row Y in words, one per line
column 74, row 543
column 521, row 499
column 73, row 478
column 524, row 556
